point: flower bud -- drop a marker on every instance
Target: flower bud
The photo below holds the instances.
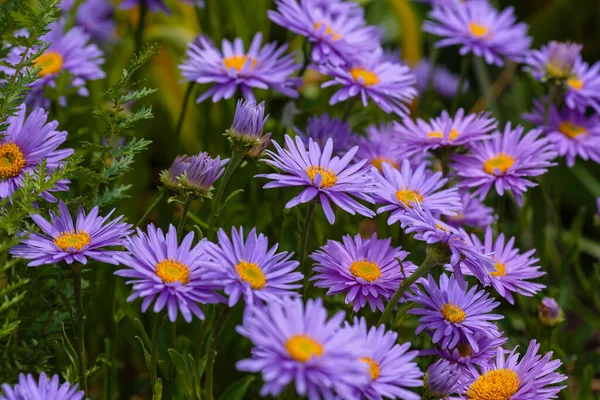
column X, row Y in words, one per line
column 442, row 379
column 246, row 132
column 549, row 312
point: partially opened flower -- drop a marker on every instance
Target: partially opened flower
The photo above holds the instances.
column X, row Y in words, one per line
column 554, row 61
column 245, row 266
column 474, row 213
column 246, row 133
column 451, row 314
column 161, row 269
column 322, row 128
column 463, row 354
column 441, row 80
column 43, row 388
column 367, row 270
column 549, row 312
column 91, row 236
column 193, row 175
column 442, row 379
column 505, row 162
column 294, row 343
column 583, row 87
column 478, row 28
column 235, row 68
column 324, row 177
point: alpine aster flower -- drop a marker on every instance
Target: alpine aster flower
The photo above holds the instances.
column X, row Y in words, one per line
column 450, row 313
column 64, row 241
column 442, row 379
column 44, row 388
column 504, row 162
column 571, row 132
column 480, row 29
column 194, row 175
column 294, row 342
column 474, row 213
column 322, row 128
column 246, row 133
column 324, row 177
column 402, row 189
column 554, row 61
column 532, row 377
column 443, row 82
column 378, row 147
column 98, row 19
column 464, row 355
column 169, row 272
column 550, row 313
column 233, row 68
column 366, row 270
column 583, row 87
column 247, row 267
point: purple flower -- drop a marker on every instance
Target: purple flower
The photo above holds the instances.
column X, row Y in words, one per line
column 388, row 85
column 324, row 177
column 505, row 162
column 153, row 5
column 583, row 87
column 392, row 367
column 44, row 388
column 450, row 313
column 97, row 18
column 402, row 189
column 322, row 128
column 293, row 342
column 172, row 274
column 26, row 143
column 194, row 175
column 571, row 132
column 247, row 267
column 338, row 34
column 474, row 213
column 366, row 270
column 442, row 379
column 480, row 29
column 464, row 354
column 246, row 133
column 445, row 131
column 533, row 377
column 555, row 60
column 233, row 68
column 550, row 313
column 379, row 146
column 442, row 82
column 64, row 241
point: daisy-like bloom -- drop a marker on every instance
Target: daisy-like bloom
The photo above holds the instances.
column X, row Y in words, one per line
column 367, row 270
column 550, row 313
column 234, row 68
column 450, row 313
column 464, row 355
column 246, row 133
column 474, row 213
column 27, row 142
column 64, row 241
column 571, row 132
column 245, row 266
column 323, row 176
column 504, row 162
column 554, row 61
column 322, row 128
column 387, row 84
column 153, row 5
column 583, row 87
column 392, row 367
column 402, row 189
column 506, row 377
column 445, row 131
column 67, row 51
column 442, row 379
column 44, row 388
column 338, row 35
column 294, row 342
column 378, row 147
column 442, row 82
column 160, row 268
column 194, row 175
column 480, row 29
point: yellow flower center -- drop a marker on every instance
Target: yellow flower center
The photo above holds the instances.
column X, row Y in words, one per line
column 238, row 62
column 302, row 347
column 500, row 269
column 557, row 71
column 478, row 30
column 571, row 130
column 367, row 270
column 171, row 271
column 373, row 367
column 464, row 350
column 69, row 241
column 408, row 197
column 453, row 314
column 501, row 162
column 440, row 135
column 12, row 160
column 575, row 83
column 328, row 31
column 328, row 177
column 377, row 161
column 499, row 384
column 251, row 273
column 50, row 62
column 369, row 78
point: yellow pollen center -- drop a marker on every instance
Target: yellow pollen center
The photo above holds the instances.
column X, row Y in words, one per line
column 499, row 384
column 238, row 62
column 373, row 367
column 367, row 270
column 328, row 31
column 453, row 314
column 478, row 30
column 50, row 63
column 251, row 273
column 171, row 271
column 440, row 227
column 369, row 78
column 377, row 161
column 12, row 160
column 500, row 269
column 501, row 162
column 409, row 197
column 328, row 177
column 72, row 241
column 464, row 350
column 440, row 135
column 557, row 71
column 571, row 130
column 302, row 347
column 575, row 83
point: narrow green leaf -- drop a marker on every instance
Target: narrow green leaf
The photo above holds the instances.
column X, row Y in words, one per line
column 237, row 390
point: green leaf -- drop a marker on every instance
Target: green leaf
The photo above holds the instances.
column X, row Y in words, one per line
column 230, row 197
column 184, row 373
column 158, row 390
column 147, row 356
column 237, row 390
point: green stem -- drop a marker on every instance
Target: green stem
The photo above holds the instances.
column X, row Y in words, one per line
column 212, row 352
column 232, row 165
column 501, row 213
column 186, row 208
column 79, row 323
column 464, row 68
column 310, row 211
column 485, row 85
column 139, row 33
column 402, row 312
column 349, row 107
column 149, row 210
column 186, row 98
column 154, row 353
column 429, row 263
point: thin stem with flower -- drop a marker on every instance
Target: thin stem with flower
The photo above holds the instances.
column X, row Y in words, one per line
column 212, row 351
column 310, row 211
column 79, row 328
column 232, row 165
column 154, row 353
